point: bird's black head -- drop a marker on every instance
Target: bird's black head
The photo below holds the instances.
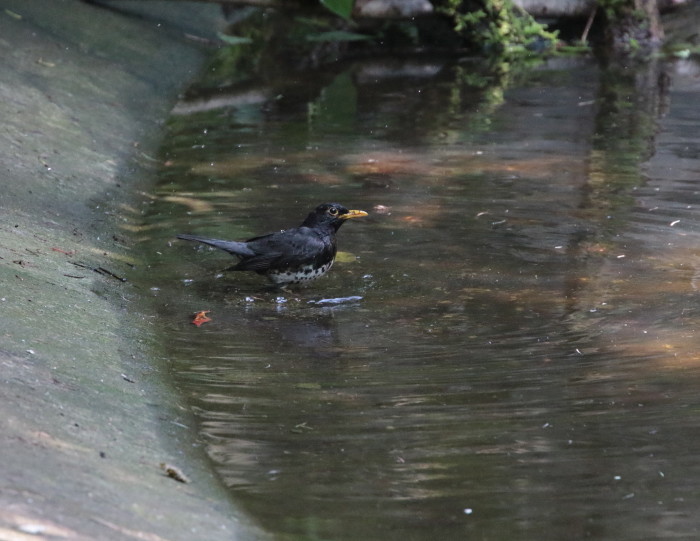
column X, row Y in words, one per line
column 333, row 214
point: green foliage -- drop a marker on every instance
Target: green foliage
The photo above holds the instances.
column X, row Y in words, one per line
column 233, row 40
column 343, row 8
column 498, row 26
column 613, row 8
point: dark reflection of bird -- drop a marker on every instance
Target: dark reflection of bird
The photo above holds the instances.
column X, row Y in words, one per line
column 292, row 255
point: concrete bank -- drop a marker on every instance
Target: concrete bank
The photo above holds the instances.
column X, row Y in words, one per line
column 86, row 414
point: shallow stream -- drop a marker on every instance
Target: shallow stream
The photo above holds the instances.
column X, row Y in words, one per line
column 507, row 346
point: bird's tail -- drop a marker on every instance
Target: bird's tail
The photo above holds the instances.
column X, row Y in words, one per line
column 231, row 246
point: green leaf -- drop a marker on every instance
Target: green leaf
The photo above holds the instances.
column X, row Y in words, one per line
column 338, row 35
column 342, row 8
column 233, row 40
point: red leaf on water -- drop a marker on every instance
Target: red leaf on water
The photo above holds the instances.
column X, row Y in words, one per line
column 201, row 317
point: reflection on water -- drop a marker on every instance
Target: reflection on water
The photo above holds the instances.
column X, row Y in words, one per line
column 507, row 348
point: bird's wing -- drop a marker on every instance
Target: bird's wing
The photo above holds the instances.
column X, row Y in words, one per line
column 284, row 249
column 258, row 263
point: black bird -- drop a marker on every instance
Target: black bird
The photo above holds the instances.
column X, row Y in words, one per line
column 292, row 255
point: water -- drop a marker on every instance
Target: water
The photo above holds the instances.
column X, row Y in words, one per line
column 506, row 348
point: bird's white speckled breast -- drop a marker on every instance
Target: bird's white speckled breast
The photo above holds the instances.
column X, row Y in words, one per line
column 297, row 276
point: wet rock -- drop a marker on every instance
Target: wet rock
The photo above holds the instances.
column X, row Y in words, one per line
column 390, row 9
column 574, row 8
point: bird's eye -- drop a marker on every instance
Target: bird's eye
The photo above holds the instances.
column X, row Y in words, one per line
column 333, row 211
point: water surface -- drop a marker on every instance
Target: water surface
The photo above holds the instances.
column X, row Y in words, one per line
column 506, row 348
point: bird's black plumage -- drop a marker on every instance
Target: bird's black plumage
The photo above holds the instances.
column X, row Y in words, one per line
column 292, row 255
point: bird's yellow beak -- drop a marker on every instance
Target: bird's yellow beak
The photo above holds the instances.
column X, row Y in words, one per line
column 352, row 214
